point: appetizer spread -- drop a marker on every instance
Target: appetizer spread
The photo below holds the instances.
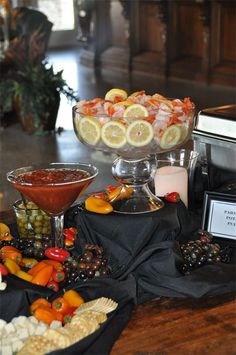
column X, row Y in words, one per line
column 50, row 328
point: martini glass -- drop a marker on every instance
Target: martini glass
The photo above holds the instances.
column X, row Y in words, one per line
column 135, row 165
column 53, row 188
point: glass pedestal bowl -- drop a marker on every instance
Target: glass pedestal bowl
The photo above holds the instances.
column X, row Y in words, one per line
column 136, row 140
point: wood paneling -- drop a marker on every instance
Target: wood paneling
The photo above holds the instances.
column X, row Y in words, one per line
column 223, row 46
column 187, row 39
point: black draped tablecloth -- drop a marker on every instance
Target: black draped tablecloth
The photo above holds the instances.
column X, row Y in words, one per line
column 146, row 246
column 144, row 255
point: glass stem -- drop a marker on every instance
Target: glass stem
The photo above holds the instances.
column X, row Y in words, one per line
column 57, row 225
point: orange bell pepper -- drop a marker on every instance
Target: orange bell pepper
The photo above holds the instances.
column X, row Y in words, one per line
column 68, row 243
column 39, row 302
column 95, row 204
column 45, row 314
column 6, row 238
column 43, row 276
column 120, row 193
column 56, row 264
column 35, row 269
column 9, row 252
column 73, row 298
column 60, row 305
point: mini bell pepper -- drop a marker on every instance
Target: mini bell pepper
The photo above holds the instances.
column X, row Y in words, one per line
column 39, row 302
column 53, row 285
column 69, row 315
column 45, row 314
column 60, row 305
column 97, row 205
column 11, row 265
column 3, row 270
column 29, row 262
column 73, row 298
column 120, row 193
column 9, row 252
column 70, row 233
column 68, row 243
column 102, row 195
column 56, row 264
column 58, row 276
column 58, row 254
column 110, row 188
column 35, row 269
column 43, row 276
column 24, row 275
column 6, row 238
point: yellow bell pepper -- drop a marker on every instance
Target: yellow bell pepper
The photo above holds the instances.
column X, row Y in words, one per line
column 120, row 193
column 11, row 265
column 29, row 262
column 98, row 205
column 24, row 275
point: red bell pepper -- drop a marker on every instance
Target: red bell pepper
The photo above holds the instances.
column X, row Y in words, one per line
column 70, row 233
column 58, row 275
column 102, row 195
column 59, row 254
column 3, row 270
column 110, row 188
column 69, row 315
column 53, row 285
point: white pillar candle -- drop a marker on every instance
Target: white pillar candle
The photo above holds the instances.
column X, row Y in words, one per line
column 172, row 179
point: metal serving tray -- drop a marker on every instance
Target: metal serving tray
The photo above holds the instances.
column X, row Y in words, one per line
column 217, row 122
column 214, row 136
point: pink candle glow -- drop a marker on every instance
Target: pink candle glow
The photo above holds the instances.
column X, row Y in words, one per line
column 172, row 178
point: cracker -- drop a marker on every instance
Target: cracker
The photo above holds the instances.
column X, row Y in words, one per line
column 58, row 336
column 37, row 344
column 102, row 304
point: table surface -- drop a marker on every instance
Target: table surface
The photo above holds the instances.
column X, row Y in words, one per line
column 166, row 326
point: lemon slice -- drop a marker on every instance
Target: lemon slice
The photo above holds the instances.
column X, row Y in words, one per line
column 114, row 134
column 135, row 111
column 139, row 133
column 170, row 137
column 89, row 129
column 137, row 93
column 184, row 130
column 113, row 93
column 123, row 103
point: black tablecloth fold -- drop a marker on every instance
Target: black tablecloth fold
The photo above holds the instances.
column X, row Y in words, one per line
column 147, row 247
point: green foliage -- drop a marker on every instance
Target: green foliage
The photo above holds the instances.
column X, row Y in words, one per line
column 29, row 79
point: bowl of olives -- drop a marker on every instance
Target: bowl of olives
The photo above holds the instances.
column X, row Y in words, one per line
column 31, row 220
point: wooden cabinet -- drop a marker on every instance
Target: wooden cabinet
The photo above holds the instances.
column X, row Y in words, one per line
column 184, row 39
column 149, row 38
column 223, row 43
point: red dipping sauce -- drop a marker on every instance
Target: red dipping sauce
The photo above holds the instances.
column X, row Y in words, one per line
column 53, row 190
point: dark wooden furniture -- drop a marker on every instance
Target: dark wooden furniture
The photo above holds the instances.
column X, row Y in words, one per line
column 183, row 39
column 170, row 326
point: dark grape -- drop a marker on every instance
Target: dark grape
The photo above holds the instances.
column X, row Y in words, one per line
column 201, row 251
